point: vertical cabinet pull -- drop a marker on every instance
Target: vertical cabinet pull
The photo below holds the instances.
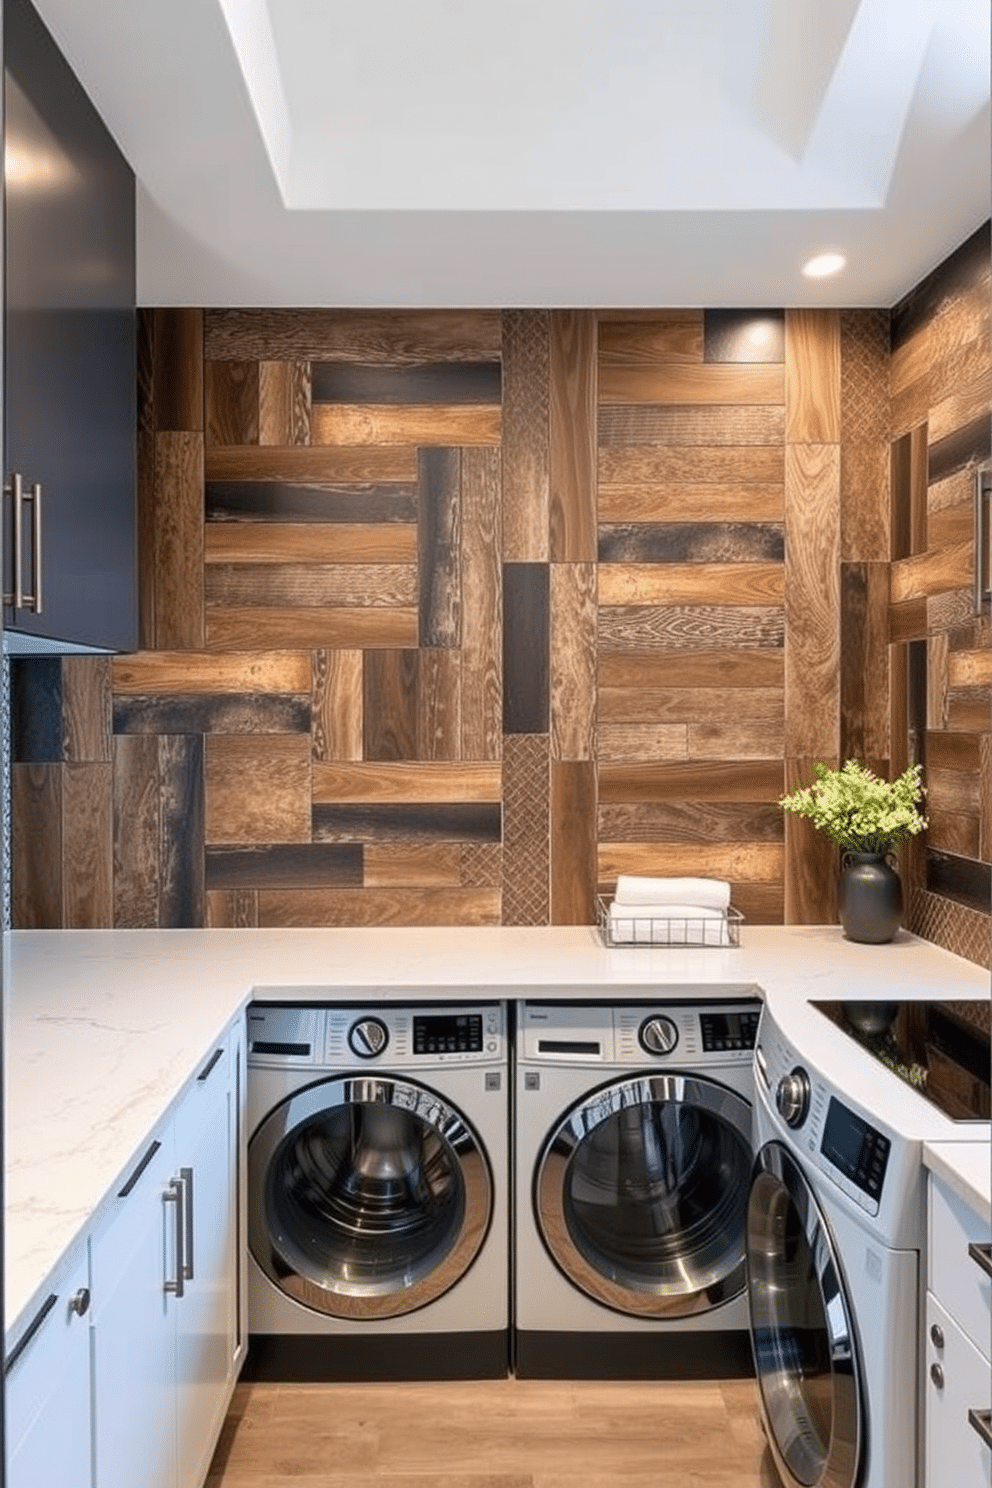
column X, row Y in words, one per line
column 32, row 601
column 983, row 560
column 32, row 1328
column 21, row 598
column 186, row 1178
column 174, row 1195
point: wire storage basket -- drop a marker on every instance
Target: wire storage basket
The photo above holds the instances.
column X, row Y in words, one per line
column 625, row 925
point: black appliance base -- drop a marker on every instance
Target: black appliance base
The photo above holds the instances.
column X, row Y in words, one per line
column 309, row 1357
column 672, row 1356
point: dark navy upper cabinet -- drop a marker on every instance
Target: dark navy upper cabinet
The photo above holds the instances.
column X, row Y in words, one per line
column 70, row 510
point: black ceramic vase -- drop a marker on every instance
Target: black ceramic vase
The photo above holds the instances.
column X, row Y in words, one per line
column 870, row 897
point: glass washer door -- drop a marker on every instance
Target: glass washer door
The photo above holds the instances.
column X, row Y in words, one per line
column 802, row 1333
column 367, row 1198
column 640, row 1195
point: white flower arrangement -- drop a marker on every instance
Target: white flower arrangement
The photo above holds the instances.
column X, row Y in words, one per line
column 858, row 810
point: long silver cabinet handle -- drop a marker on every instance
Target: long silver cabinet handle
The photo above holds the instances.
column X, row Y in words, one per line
column 983, row 561
column 32, row 1328
column 32, row 601
column 174, row 1195
column 981, row 1420
column 15, row 490
column 186, row 1175
column 982, row 1256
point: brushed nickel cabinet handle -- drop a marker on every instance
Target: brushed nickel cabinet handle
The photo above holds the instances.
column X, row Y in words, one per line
column 982, row 1256
column 981, row 1421
column 174, row 1195
column 32, row 601
column 186, row 1177
column 983, row 561
column 15, row 490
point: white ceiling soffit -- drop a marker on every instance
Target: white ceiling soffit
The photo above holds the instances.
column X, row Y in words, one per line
column 625, row 152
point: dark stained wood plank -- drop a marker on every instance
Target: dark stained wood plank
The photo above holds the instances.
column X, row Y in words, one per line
column 439, row 704
column 178, row 563
column 573, row 663
column 685, row 383
column 691, row 542
column 931, row 573
column 961, row 879
column 148, row 672
column 377, row 424
column 181, row 821
column 709, row 781
column 970, row 445
column 526, row 830
column 691, row 583
column 231, row 391
column 88, row 847
column 460, row 821
column 909, row 493
column 409, row 865
column 257, row 789
column 406, row 781
column 692, row 503
column 335, row 466
column 146, row 521
column 389, row 708
column 289, row 629
column 864, row 655
column 908, row 621
column 526, row 448
column 744, row 335
column 297, row 585
column 232, row 909
column 526, row 645
column 723, row 669
column 481, row 689
column 424, row 383
column 439, row 548
column 811, row 860
column 690, row 704
column 137, row 808
column 86, row 708
column 36, row 735
column 660, row 336
column 760, row 904
column 303, row 542
column 203, row 713
column 37, row 863
column 692, row 821
column 689, row 627
column 288, row 909
column 396, row 337
column 812, row 376
column 761, row 862
column 961, row 274
column 145, row 368
column 953, row 751
column 898, row 709
column 731, row 465
column 288, row 501
column 572, row 502
column 812, row 537
column 338, row 705
column 284, row 402
column 573, row 842
column 178, row 353
column 280, row 866
column 648, row 423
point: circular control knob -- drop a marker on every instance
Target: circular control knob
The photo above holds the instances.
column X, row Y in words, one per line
column 658, row 1035
column 792, row 1097
column 368, row 1037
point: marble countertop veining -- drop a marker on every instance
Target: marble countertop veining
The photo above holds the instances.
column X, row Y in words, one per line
column 104, row 1028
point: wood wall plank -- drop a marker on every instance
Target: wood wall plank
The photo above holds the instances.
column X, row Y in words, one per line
column 573, row 842
column 731, row 465
column 137, row 832
column 985, row 798
column 36, row 817
column 284, row 402
column 246, row 629
column 573, row 663
column 439, row 704
column 181, row 825
column 337, row 705
column 738, row 861
column 389, row 708
column 641, row 741
column 223, row 713
column 285, row 866
column 289, row 909
column 405, row 865
column 677, row 424
column 812, row 376
column 481, row 619
column 390, row 337
column 711, row 382
column 178, row 561
column 739, row 738
column 526, row 663
column 723, row 669
column 689, row 704
column 383, row 425
column 709, row 781
column 526, row 830
column 526, row 448
column 146, row 518
column 177, row 341
column 692, row 821
column 86, row 683
column 257, row 789
column 931, row 573
column 334, row 465
column 231, row 391
column 303, row 542
column 691, row 542
column 864, row 661
column 407, row 780
column 689, row 627
column 811, row 860
column 572, row 461
column 812, row 655
column 149, row 672
column 325, row 585
column 692, row 502
column 691, row 583
column 664, row 336
column 88, row 847
column 406, row 821
column 439, row 548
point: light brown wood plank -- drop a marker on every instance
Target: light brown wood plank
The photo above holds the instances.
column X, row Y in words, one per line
column 969, row 669
column 953, row 751
column 86, row 722
column 739, row 861
column 573, row 842
column 666, row 337
column 641, row 741
column 88, row 847
column 937, row 652
column 572, row 462
column 951, row 526
column 257, row 788
column 691, row 503
column 690, row 705
column 962, row 320
column 712, row 382
column 36, row 846
column 573, row 661
column 910, row 405
column 407, row 780
column 961, row 391
column 137, row 831
column 709, row 781
column 288, row 629
column 908, row 621
column 947, row 832
column 352, row 424
column 811, row 860
column 812, row 599
column 149, row 673
column 953, row 791
column 481, row 620
column 719, row 465
column 812, row 376
column 284, row 403
column 969, row 708
column 692, row 821
column 231, row 392
column 333, row 465
column 337, row 705
column 985, row 797
column 394, row 337
column 322, row 584
column 288, row 908
column 439, row 704
column 667, row 627
column 678, row 424
column 738, row 739
column 526, row 435
column 316, row 542
column 178, row 563
column 232, row 909
column 954, row 491
column 691, row 583
column 389, row 865
column 931, row 573
column 723, row 669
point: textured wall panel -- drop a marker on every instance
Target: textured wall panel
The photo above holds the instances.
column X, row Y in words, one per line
column 481, row 620
column 526, row 830
column 526, row 434
column 573, row 661
column 812, row 655
column 572, row 501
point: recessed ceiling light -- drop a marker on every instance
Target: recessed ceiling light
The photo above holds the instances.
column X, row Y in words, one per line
column 823, row 265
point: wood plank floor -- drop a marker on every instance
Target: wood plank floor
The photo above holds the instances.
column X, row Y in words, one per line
column 494, row 1434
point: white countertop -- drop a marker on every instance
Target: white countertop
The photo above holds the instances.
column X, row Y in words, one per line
column 104, row 1028
column 966, row 1168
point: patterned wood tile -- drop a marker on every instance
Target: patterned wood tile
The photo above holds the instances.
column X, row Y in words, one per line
column 481, row 656
column 388, row 337
column 964, row 931
column 526, row 448
column 257, row 789
column 572, row 500
column 573, row 662
column 526, row 830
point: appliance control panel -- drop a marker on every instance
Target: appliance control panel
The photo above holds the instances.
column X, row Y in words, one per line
column 642, row 1034
column 858, row 1151
column 393, row 1037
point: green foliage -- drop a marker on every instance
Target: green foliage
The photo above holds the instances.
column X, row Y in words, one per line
column 858, row 810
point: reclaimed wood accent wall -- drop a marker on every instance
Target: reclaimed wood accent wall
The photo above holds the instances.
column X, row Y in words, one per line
column 941, row 378
column 449, row 618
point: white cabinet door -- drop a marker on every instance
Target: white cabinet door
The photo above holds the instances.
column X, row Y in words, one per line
column 135, row 1261
column 957, row 1382
column 47, row 1382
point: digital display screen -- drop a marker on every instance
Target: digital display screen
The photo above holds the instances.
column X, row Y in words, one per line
column 729, row 1030
column 447, row 1033
column 857, row 1149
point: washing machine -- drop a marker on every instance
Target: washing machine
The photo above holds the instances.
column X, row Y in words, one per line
column 632, row 1162
column 378, row 1208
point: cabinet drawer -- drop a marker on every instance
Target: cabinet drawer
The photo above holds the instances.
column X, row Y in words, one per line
column 960, row 1281
column 958, row 1380
column 209, row 1085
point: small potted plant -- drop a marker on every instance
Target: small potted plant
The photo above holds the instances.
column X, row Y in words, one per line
column 867, row 818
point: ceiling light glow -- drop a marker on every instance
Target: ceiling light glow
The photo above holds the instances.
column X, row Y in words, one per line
column 823, row 265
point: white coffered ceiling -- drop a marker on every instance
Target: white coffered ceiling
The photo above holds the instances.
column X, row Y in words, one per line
column 552, row 152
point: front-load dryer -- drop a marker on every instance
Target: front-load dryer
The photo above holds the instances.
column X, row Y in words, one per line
column 632, row 1161
column 377, row 1194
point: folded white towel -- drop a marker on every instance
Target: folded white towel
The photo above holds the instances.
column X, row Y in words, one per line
column 667, row 924
column 711, row 893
